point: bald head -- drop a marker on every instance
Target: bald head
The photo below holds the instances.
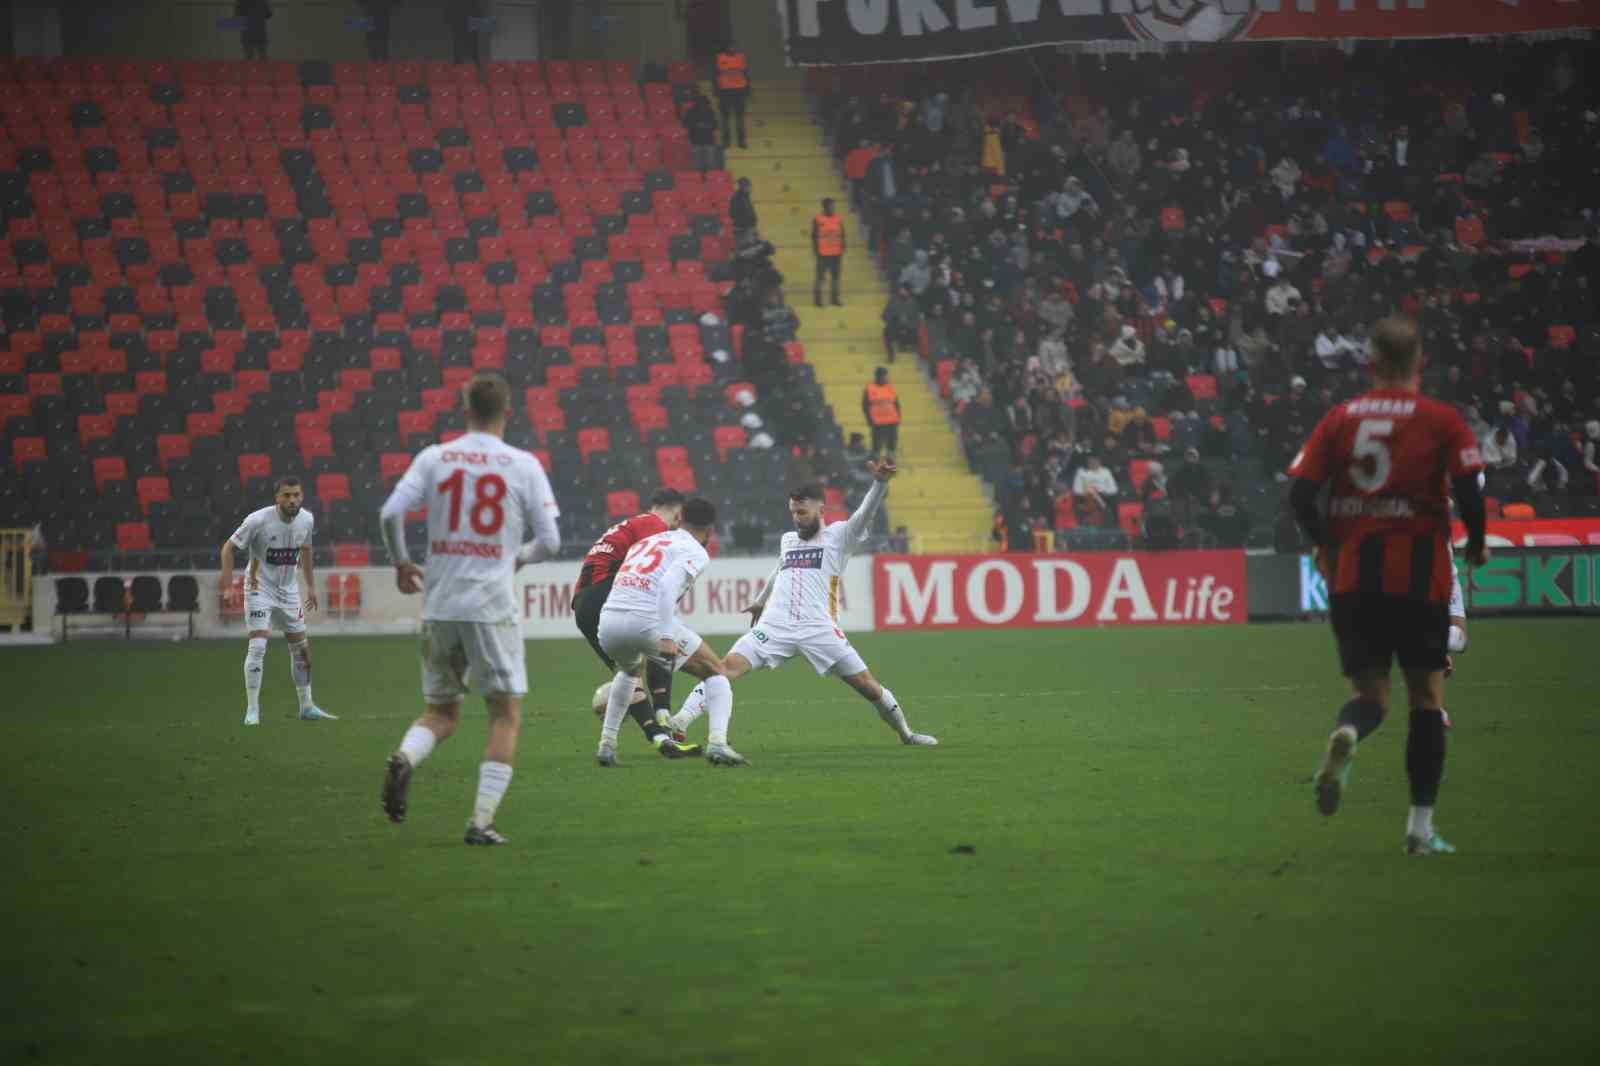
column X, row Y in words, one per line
column 1396, row 349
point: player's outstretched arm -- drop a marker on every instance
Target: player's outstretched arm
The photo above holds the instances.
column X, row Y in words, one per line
column 860, row 523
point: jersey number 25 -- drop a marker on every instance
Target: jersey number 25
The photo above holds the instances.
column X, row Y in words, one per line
column 643, row 558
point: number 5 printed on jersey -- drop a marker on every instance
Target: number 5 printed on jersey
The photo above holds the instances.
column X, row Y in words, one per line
column 1370, row 444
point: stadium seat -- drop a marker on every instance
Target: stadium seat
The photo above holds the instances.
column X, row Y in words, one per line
column 622, row 504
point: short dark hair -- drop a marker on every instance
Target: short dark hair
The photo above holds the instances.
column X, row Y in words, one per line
column 1396, row 346
column 287, row 481
column 811, row 490
column 699, row 513
column 487, row 397
column 666, row 498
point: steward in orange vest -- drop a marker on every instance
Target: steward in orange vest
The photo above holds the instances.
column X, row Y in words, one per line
column 881, row 405
column 827, row 240
column 733, row 90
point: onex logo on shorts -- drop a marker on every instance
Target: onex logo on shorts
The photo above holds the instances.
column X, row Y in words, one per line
column 803, row 559
column 759, row 635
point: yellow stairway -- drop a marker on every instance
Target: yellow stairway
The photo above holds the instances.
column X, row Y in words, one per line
column 942, row 504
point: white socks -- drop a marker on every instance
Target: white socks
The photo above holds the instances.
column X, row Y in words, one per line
column 255, row 658
column 493, row 780
column 1458, row 640
column 889, row 710
column 418, row 744
column 719, row 707
column 617, row 706
column 300, row 671
column 1420, row 823
column 694, row 705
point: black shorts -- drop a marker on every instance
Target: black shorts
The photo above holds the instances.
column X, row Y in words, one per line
column 586, row 605
column 1373, row 631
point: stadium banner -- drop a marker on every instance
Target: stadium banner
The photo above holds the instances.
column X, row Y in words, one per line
column 710, row 608
column 1536, row 532
column 365, row 602
column 839, row 32
column 1535, row 580
column 1088, row 589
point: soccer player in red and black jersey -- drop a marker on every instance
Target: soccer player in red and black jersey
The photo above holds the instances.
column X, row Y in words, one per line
column 594, row 585
column 1388, row 459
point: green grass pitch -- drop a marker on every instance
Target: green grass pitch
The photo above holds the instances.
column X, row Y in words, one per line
column 1148, row 880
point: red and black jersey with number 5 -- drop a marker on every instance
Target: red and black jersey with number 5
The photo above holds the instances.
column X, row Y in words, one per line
column 608, row 552
column 1388, row 459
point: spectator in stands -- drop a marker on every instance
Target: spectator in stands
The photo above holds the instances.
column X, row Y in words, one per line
column 741, row 208
column 1190, row 486
column 1282, row 298
column 253, row 36
column 1127, row 351
column 701, row 122
column 899, row 540
column 379, row 18
column 465, row 29
column 1591, row 457
column 733, row 91
column 880, row 405
column 1223, row 521
column 1094, row 492
column 966, row 384
column 902, row 322
column 918, row 275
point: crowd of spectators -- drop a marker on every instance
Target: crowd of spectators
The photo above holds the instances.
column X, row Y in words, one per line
column 1146, row 281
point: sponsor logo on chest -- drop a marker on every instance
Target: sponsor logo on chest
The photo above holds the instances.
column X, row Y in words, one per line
column 803, row 559
column 283, row 556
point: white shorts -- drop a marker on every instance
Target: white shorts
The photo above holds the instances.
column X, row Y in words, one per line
column 1458, row 605
column 630, row 639
column 491, row 654
column 827, row 650
column 268, row 612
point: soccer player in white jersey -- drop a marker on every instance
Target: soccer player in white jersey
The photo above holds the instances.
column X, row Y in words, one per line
column 482, row 497
column 639, row 622
column 277, row 541
column 797, row 612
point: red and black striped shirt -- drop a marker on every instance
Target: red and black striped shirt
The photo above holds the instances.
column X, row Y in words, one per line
column 1388, row 459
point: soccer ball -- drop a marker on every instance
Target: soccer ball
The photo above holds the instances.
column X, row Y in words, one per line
column 602, row 696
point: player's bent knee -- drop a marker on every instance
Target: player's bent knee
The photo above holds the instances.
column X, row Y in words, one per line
column 260, row 634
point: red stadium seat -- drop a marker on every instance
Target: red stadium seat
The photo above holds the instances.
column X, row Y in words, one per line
column 332, row 488
column 594, row 439
column 134, row 537
column 727, row 439
column 622, row 504
column 109, row 468
column 253, row 465
column 152, row 490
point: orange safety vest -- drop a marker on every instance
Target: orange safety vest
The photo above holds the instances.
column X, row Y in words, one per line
column 881, row 409
column 731, row 72
column 830, row 234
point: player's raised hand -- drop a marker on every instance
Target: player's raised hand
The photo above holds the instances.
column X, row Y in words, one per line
column 883, row 469
column 408, row 578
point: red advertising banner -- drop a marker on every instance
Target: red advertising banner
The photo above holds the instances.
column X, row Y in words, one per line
column 1091, row 589
column 1538, row 532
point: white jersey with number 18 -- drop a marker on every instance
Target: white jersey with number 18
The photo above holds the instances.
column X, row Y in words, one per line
column 483, row 497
